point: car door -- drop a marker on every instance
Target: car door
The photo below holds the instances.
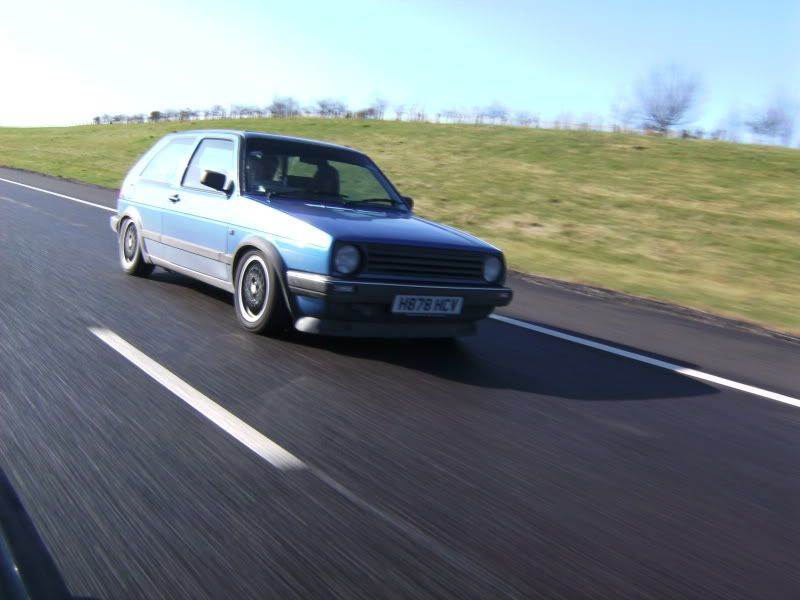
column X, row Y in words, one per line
column 195, row 227
column 150, row 191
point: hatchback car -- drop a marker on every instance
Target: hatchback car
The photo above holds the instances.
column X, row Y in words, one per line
column 303, row 233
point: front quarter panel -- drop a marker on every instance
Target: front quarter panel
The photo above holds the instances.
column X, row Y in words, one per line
column 301, row 246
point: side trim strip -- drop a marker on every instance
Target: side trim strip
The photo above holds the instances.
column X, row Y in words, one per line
column 203, row 251
column 151, row 235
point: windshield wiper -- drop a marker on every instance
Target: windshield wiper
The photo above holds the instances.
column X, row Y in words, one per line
column 371, row 201
column 283, row 193
column 336, row 195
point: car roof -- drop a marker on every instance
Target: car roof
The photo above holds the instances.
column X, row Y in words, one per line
column 268, row 136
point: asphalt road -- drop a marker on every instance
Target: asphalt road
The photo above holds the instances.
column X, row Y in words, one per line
column 510, row 464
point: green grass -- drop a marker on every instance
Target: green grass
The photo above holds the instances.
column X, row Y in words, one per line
column 710, row 225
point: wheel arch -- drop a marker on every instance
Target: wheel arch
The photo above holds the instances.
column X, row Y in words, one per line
column 275, row 260
column 132, row 214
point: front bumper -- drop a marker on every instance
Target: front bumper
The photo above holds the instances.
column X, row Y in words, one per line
column 363, row 308
column 114, row 222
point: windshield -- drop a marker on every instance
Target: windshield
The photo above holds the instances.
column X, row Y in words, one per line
column 310, row 172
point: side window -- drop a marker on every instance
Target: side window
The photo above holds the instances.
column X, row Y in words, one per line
column 167, row 164
column 211, row 155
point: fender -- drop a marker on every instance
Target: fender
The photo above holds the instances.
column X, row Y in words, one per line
column 132, row 213
column 275, row 260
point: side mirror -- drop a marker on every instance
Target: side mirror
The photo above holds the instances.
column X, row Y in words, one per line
column 409, row 202
column 215, row 180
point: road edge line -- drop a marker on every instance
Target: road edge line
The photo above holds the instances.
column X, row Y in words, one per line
column 78, row 200
column 655, row 362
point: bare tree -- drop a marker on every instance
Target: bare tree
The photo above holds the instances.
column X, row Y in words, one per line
column 774, row 122
column 331, row 108
column 215, row 112
column 452, row 115
column 284, row 106
column 366, row 113
column 496, row 112
column 417, row 113
column 379, row 106
column 523, row 118
column 666, row 98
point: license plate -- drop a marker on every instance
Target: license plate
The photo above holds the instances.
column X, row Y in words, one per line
column 427, row 305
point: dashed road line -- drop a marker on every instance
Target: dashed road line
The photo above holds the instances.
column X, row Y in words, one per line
column 284, row 460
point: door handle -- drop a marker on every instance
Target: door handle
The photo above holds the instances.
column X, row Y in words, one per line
column 174, row 198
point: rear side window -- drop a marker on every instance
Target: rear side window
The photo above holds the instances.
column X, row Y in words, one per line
column 167, row 164
column 211, row 155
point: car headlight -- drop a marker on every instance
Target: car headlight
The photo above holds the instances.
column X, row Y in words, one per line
column 492, row 268
column 346, row 259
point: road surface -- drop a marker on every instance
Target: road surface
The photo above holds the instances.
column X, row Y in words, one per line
column 513, row 464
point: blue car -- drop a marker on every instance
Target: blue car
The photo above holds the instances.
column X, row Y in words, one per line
column 302, row 233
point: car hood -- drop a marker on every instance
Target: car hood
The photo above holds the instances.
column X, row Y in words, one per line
column 375, row 225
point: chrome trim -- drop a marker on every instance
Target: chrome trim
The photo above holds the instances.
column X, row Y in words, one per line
column 203, row 251
column 223, row 285
column 151, row 235
column 316, row 278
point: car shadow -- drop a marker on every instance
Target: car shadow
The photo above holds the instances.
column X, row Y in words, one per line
column 170, row 277
column 505, row 358
column 501, row 356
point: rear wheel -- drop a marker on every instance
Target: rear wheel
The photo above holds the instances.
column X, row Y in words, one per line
column 130, row 251
column 259, row 302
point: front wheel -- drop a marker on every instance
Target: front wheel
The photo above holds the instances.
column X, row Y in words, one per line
column 257, row 295
column 130, row 251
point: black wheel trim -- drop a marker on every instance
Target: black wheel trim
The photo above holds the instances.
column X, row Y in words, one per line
column 130, row 243
column 254, row 288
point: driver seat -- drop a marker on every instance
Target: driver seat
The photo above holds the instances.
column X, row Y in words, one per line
column 325, row 180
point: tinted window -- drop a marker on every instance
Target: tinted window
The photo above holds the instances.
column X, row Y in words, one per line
column 168, row 163
column 358, row 183
column 313, row 171
column 211, row 155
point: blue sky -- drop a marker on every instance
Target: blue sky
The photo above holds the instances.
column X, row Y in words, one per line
column 66, row 62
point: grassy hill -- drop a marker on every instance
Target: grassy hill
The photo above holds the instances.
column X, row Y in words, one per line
column 710, row 225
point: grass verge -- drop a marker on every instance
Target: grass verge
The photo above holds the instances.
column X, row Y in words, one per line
column 710, row 225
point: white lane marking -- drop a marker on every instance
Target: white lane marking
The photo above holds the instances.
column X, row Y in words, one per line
column 228, row 422
column 78, row 200
column 283, row 459
column 662, row 364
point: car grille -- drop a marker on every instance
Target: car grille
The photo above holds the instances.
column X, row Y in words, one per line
column 404, row 262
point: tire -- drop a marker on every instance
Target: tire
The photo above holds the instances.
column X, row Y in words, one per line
column 258, row 297
column 130, row 250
